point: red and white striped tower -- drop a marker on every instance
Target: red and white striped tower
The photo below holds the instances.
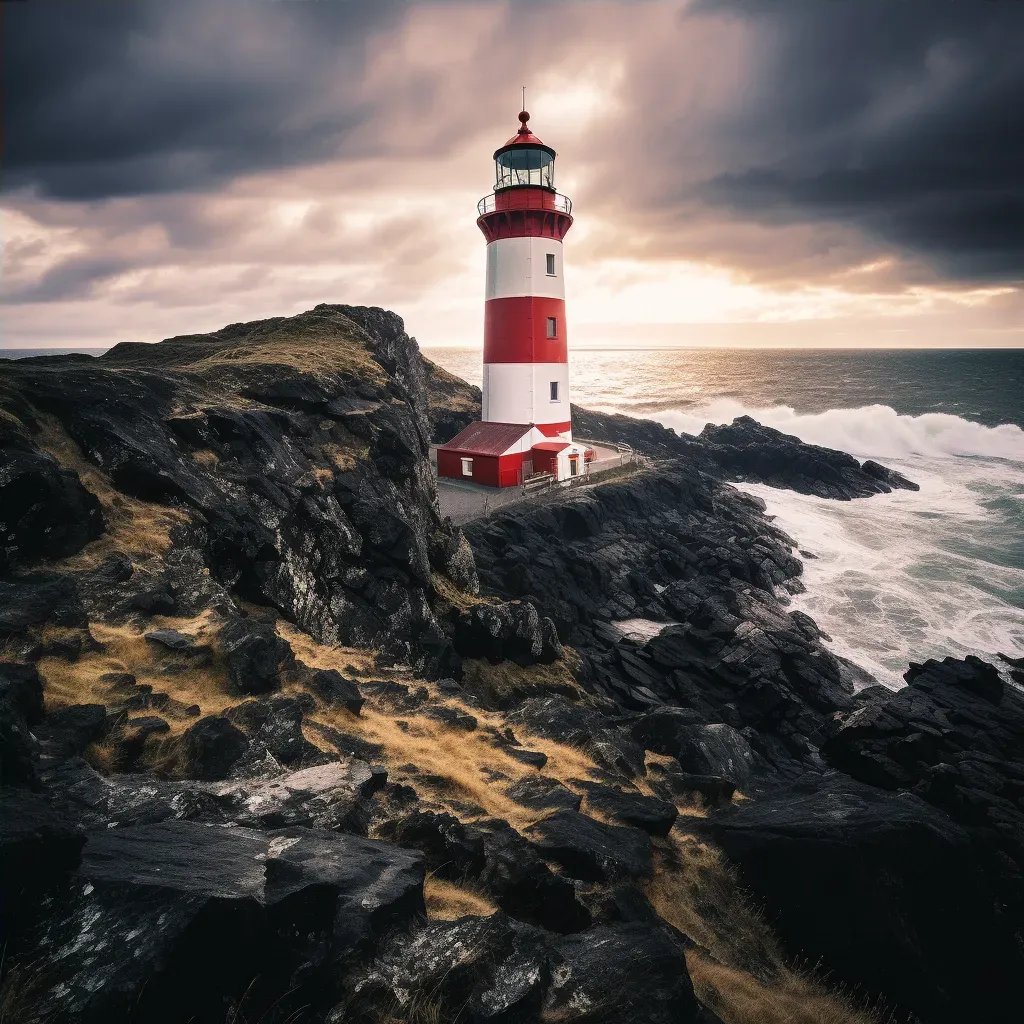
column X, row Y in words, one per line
column 526, row 358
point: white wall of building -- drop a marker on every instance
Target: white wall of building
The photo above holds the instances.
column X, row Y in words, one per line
column 521, row 392
column 518, row 266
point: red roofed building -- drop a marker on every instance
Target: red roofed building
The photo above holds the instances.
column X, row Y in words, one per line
column 507, row 454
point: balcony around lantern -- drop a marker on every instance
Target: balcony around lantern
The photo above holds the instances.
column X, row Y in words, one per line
column 524, row 198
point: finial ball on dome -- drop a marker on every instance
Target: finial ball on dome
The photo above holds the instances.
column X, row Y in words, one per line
column 524, row 116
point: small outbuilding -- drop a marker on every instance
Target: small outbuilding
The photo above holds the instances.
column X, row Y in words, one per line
column 508, row 454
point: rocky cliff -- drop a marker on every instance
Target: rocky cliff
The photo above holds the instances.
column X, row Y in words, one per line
column 279, row 743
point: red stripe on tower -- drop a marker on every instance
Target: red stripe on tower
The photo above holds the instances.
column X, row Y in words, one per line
column 526, row 356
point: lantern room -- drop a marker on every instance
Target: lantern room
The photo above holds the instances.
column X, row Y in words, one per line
column 524, row 160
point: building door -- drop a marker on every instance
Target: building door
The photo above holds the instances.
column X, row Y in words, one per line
column 527, row 468
column 574, row 465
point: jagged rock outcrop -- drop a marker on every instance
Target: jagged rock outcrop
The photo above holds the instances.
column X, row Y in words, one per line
column 883, row 890
column 954, row 736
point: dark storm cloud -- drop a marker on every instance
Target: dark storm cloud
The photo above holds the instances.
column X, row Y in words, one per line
column 904, row 120
column 127, row 97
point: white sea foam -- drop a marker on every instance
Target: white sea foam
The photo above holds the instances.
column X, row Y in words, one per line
column 875, row 431
column 910, row 575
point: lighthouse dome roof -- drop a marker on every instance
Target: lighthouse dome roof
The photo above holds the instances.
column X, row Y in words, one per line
column 525, row 137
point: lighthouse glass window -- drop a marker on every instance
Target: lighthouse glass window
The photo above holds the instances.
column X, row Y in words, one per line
column 525, row 165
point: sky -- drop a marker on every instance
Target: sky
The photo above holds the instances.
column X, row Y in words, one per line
column 743, row 172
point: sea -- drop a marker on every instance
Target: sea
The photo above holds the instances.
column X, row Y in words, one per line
column 893, row 578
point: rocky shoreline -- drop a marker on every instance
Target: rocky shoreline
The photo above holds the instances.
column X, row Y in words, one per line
column 280, row 743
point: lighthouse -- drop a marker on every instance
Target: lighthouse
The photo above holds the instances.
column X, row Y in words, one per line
column 526, row 355
column 526, row 427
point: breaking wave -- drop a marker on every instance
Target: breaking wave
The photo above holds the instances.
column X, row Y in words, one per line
column 910, row 575
column 875, row 431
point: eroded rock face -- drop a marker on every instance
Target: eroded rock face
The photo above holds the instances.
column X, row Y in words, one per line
column 45, row 510
column 298, row 448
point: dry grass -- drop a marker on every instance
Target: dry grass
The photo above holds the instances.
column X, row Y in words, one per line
column 141, row 529
column 350, row 661
column 740, row 972
column 456, row 598
column 739, row 998
column 125, row 649
column 448, row 902
column 505, row 682
column 307, row 348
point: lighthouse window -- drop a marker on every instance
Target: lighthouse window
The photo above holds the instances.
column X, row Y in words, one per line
column 554, row 391
column 524, row 165
column 551, row 264
column 467, row 467
column 552, row 327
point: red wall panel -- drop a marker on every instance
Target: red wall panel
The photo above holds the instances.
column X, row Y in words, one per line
column 515, row 330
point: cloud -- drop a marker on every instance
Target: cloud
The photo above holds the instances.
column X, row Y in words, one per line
column 216, row 160
column 903, row 121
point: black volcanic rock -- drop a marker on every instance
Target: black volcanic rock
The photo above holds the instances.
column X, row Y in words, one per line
column 627, row 972
column 21, row 708
column 449, row 848
column 45, row 511
column 747, row 450
column 590, row 850
column 648, row 813
column 516, row 878
column 39, row 846
column 171, row 921
column 212, row 746
column 882, row 890
column 506, row 632
column 955, row 737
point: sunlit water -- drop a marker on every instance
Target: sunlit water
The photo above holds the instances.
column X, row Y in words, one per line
column 896, row 578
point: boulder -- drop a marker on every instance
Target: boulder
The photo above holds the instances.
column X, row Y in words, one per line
column 506, row 632
column 523, row 885
column 652, row 815
column 476, row 969
column 276, row 723
column 590, row 850
column 46, row 510
column 39, row 846
column 556, row 718
column 450, row 849
column 255, row 656
column 543, row 794
column 716, row 749
column 175, row 921
column 328, row 796
column 710, row 790
column 211, row 747
column 335, row 690
column 68, row 731
column 21, row 707
column 627, row 972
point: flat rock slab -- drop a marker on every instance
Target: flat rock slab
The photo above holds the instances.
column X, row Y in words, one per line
column 590, row 850
column 171, row 921
column 324, row 796
column 544, row 794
